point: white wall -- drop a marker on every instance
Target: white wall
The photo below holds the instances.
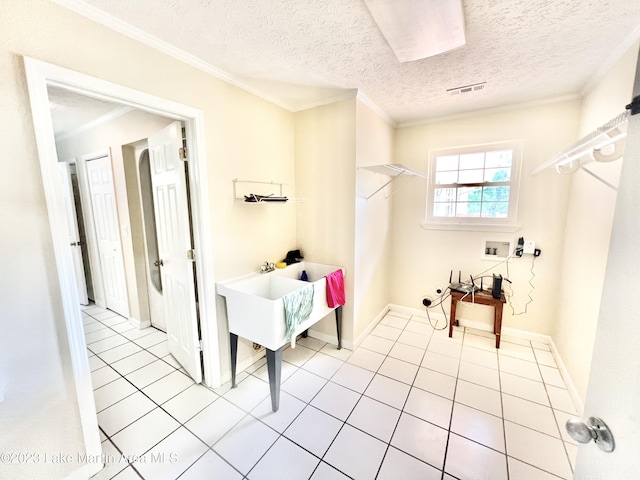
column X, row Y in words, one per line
column 374, row 146
column 325, row 149
column 422, row 259
column 246, row 138
column 588, row 229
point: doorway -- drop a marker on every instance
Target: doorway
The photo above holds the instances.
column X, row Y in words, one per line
column 111, row 195
column 40, row 75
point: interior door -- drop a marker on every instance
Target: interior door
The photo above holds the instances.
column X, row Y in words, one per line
column 170, row 197
column 614, row 384
column 105, row 219
column 74, row 234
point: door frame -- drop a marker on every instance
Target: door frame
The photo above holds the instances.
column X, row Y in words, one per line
column 41, row 74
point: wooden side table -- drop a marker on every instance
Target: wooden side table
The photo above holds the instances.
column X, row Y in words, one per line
column 483, row 298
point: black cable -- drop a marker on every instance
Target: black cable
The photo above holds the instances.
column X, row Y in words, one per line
column 443, row 297
column 526, row 305
column 446, row 320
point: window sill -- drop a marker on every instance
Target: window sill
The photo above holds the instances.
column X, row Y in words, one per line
column 472, row 227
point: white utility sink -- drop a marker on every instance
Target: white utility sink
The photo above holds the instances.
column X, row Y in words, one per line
column 255, row 309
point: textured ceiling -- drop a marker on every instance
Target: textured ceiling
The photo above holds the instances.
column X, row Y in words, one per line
column 70, row 111
column 300, row 53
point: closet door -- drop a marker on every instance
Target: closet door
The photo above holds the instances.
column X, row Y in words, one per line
column 105, row 218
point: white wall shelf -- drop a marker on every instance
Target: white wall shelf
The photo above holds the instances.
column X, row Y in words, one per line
column 265, row 192
column 393, row 170
column 604, row 144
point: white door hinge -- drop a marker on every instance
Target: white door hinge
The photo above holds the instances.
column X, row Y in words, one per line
column 200, row 346
column 182, row 152
column 191, row 254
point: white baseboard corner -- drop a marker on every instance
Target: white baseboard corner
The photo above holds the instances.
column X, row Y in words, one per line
column 138, row 323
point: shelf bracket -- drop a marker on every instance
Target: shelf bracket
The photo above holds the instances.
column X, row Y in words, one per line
column 393, row 170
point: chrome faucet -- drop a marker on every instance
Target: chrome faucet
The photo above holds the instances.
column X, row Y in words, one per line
column 267, row 267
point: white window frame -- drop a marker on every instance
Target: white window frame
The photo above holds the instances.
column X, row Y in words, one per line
column 507, row 224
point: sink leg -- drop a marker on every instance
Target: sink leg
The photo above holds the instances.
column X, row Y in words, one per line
column 233, row 341
column 274, row 367
column 339, row 326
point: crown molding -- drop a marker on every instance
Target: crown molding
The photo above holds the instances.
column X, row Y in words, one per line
column 378, row 110
column 489, row 111
column 102, row 119
column 128, row 30
column 612, row 59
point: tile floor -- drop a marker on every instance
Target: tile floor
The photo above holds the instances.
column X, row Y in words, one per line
column 408, row 403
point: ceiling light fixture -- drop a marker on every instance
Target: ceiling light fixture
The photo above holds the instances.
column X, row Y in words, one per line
column 416, row 29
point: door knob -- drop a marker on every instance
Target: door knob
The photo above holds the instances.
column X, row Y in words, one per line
column 158, row 263
column 595, row 429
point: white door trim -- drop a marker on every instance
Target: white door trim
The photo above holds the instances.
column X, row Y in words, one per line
column 41, row 74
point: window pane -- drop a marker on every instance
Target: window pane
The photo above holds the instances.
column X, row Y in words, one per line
column 470, row 194
column 444, row 209
column 446, row 162
column 468, row 209
column 497, row 175
column 495, row 194
column 444, row 195
column 471, row 176
column 500, row 158
column 471, row 160
column 446, row 177
column 495, row 209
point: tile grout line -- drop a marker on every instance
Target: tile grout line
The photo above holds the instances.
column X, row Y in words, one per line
column 504, row 424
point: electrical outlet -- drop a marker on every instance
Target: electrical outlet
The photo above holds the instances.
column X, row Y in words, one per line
column 529, row 247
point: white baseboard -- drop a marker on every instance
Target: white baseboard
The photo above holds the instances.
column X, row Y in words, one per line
column 329, row 338
column 371, row 326
column 139, row 324
column 573, row 391
column 242, row 365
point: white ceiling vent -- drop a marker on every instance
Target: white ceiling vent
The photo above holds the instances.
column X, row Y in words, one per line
column 467, row 88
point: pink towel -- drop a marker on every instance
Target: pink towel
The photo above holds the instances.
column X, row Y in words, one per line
column 335, row 289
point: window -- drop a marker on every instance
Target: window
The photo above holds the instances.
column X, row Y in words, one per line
column 474, row 186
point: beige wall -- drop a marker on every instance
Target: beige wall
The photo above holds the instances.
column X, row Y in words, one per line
column 325, row 177
column 374, row 146
column 246, row 138
column 588, row 229
column 422, row 259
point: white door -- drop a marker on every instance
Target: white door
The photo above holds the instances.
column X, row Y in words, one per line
column 170, row 197
column 614, row 385
column 74, row 234
column 105, row 219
